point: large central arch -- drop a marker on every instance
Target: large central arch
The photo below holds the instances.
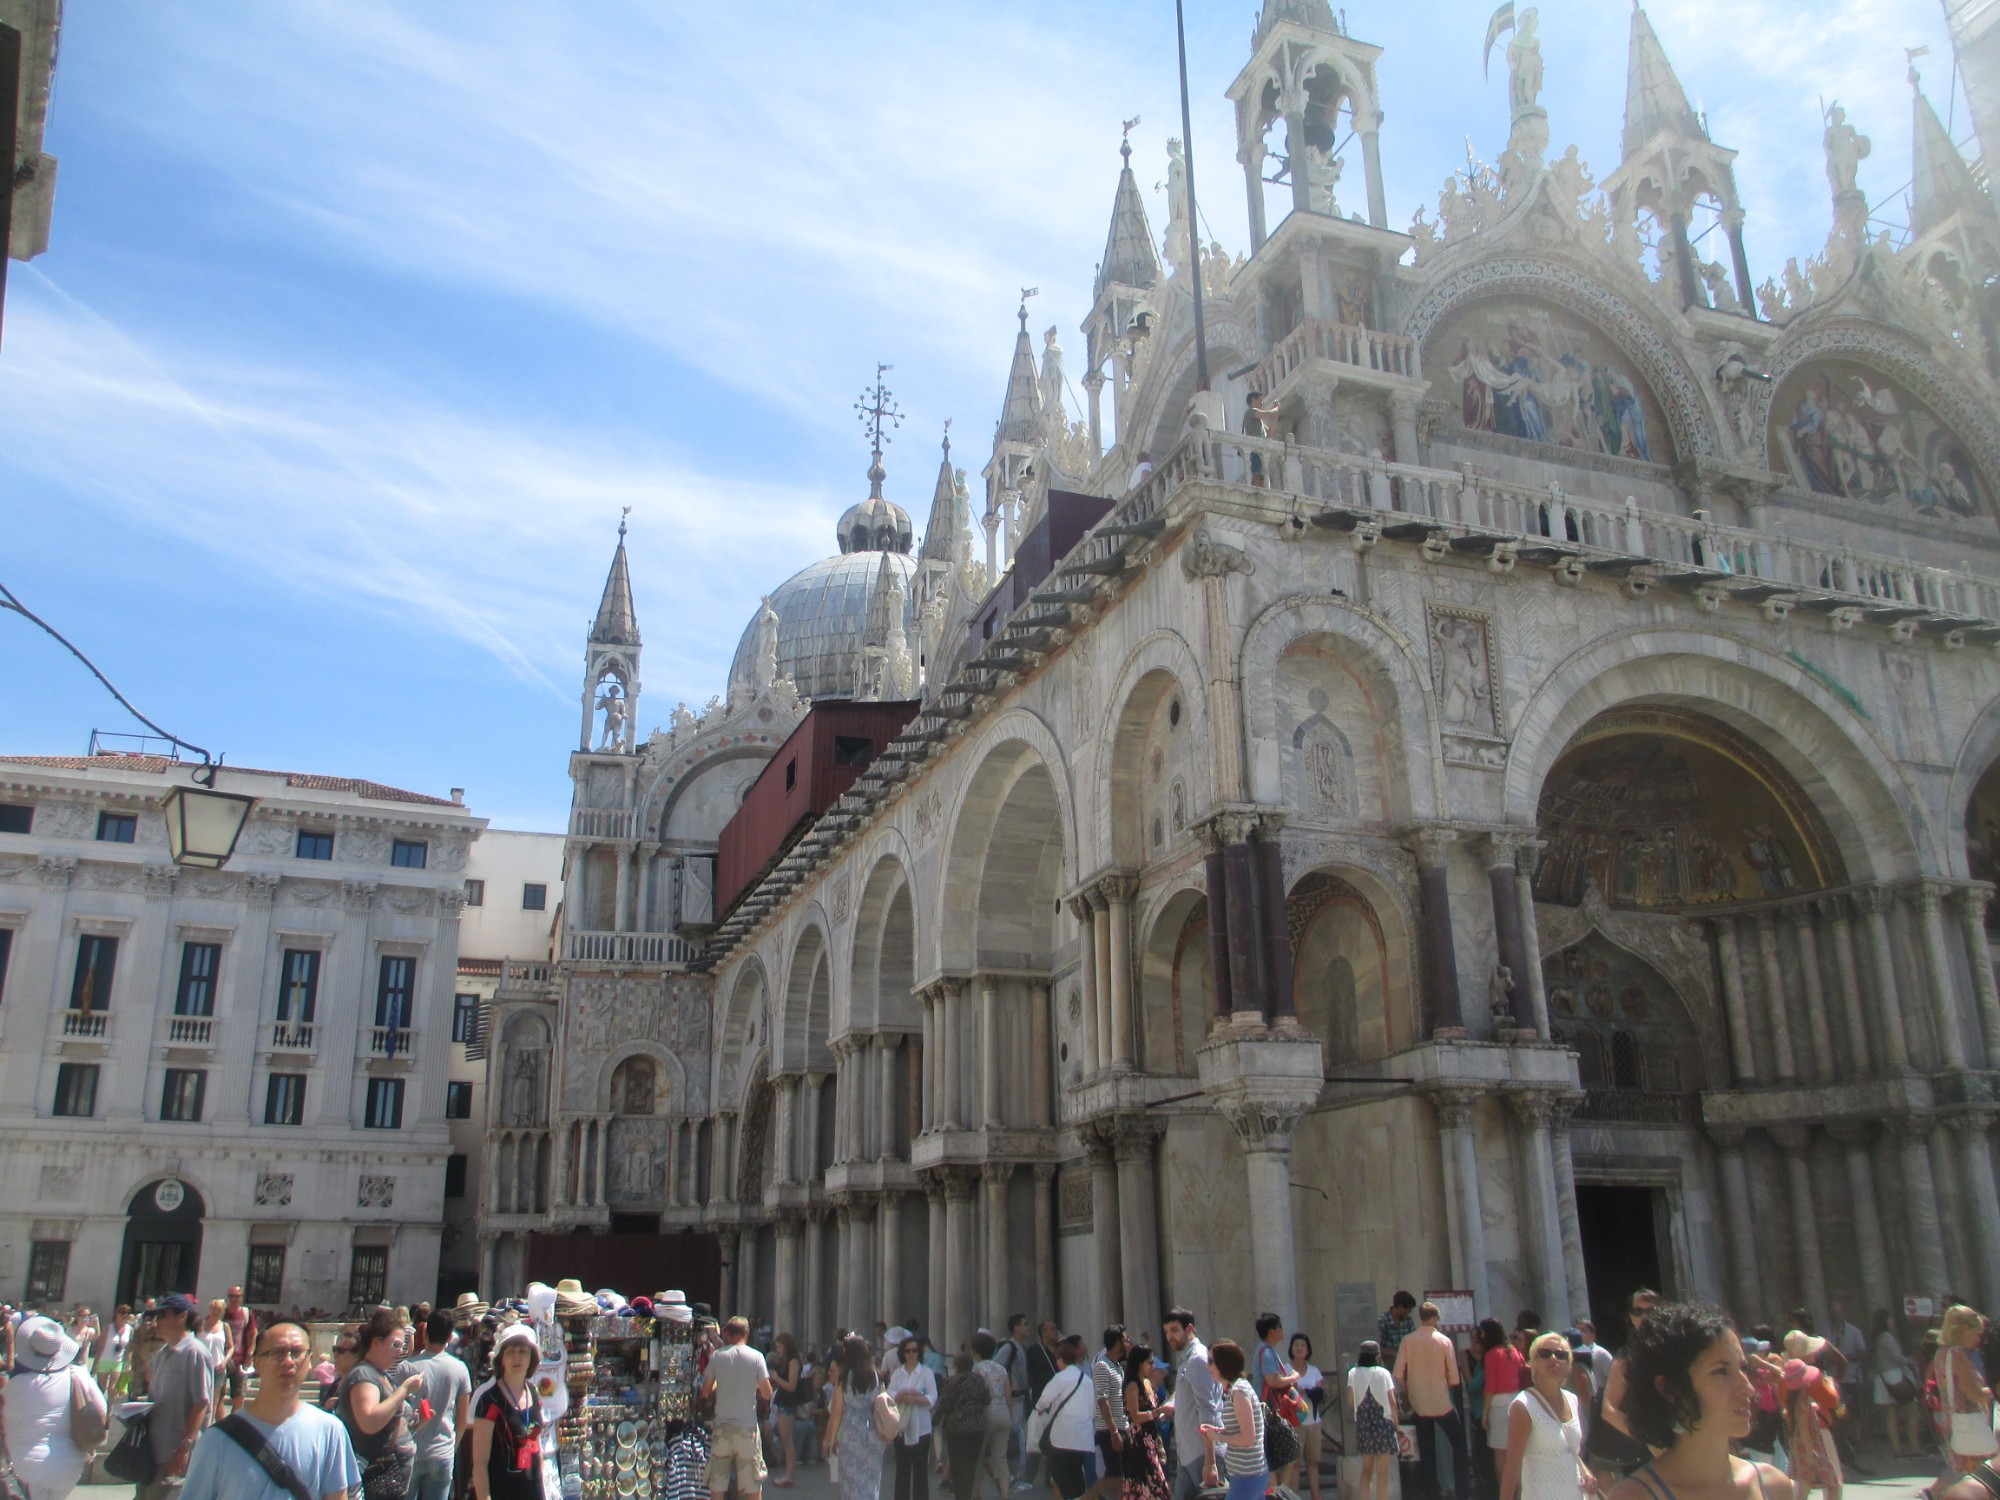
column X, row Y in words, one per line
column 1009, row 859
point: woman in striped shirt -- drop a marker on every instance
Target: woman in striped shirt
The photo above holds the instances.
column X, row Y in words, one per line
column 1241, row 1435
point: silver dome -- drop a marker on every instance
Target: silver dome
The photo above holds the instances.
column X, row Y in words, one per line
column 823, row 621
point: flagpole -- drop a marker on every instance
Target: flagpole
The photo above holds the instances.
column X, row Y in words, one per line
column 1194, row 241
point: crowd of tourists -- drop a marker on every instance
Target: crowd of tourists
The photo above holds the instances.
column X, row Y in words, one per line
column 440, row 1405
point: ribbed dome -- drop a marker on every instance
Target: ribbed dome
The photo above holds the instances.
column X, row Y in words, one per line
column 876, row 525
column 823, row 621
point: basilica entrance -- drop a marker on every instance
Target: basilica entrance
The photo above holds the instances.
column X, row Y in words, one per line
column 162, row 1242
column 1624, row 1248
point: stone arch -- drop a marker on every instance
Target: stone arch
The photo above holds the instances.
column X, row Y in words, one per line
column 1602, row 992
column 1874, row 817
column 1682, row 396
column 1974, row 854
column 882, row 973
column 1354, row 969
column 666, row 795
column 747, row 994
column 801, row 1029
column 670, row 1086
column 1174, row 996
column 1160, row 672
column 1018, row 749
column 1161, row 422
column 753, row 1136
column 524, row 1072
column 1394, row 670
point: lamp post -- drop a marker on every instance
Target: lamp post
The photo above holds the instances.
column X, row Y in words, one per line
column 203, row 824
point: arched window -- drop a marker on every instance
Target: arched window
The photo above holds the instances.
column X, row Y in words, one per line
column 1624, row 1061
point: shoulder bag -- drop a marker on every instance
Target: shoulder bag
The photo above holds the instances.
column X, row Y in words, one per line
column 887, row 1416
column 1972, row 1433
column 254, row 1443
column 87, row 1425
column 132, row 1460
column 1047, row 1445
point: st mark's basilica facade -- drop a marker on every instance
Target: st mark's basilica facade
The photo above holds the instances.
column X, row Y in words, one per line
column 1496, row 793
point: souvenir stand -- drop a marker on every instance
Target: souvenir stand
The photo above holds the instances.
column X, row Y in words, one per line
column 628, row 1430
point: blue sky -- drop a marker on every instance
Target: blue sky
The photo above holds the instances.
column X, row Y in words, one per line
column 362, row 320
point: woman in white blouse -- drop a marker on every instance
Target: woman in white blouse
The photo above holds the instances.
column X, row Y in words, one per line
column 914, row 1390
column 46, row 1385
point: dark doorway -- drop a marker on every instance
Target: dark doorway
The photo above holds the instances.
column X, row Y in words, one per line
column 162, row 1242
column 1623, row 1229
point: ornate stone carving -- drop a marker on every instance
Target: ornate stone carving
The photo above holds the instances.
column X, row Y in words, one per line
column 408, row 900
column 1533, row 1108
column 842, row 896
column 65, row 820
column 55, row 869
column 925, row 816
column 357, row 895
column 375, row 1192
column 267, row 837
column 1454, row 1107
column 1204, row 556
column 259, row 889
column 364, row 846
column 274, row 1189
column 61, row 1184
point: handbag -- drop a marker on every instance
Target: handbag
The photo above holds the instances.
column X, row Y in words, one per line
column 131, row 1461
column 1281, row 1440
column 887, row 1416
column 87, row 1425
column 1972, row 1433
column 1047, row 1444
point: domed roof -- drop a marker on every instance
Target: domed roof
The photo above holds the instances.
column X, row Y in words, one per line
column 823, row 619
column 875, row 525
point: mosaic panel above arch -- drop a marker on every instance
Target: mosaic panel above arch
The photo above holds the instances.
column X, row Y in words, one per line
column 1665, row 810
column 1624, row 1021
column 1842, row 427
column 1651, row 362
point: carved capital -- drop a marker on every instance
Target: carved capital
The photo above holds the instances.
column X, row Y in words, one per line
column 1079, row 907
column 1533, row 1108
column 1971, row 901
column 1430, row 845
column 1099, row 901
column 1454, row 1107
column 56, row 870
column 1851, row 1134
column 1119, row 888
column 1970, row 1125
column 1728, row 1137
column 357, row 895
column 1263, row 1123
column 159, row 880
column 1230, row 825
column 1100, row 1140
column 1911, row 1129
column 1793, row 1140
column 958, row 1184
column 450, row 903
column 1871, row 900
column 1203, row 556
column 262, row 890
column 1133, row 1137
column 1502, row 847
column 1929, row 896
column 1001, row 1172
column 1832, row 910
column 1045, row 1172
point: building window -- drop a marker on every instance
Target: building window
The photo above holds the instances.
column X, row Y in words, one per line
column 791, row 773
column 458, row 1101
column 315, row 845
column 16, row 819
column 852, row 750
column 181, row 1095
column 409, row 854
column 475, row 893
column 117, row 828
column 6, row 952
column 392, row 992
column 48, row 1272
column 264, row 1277
column 76, row 1090
column 285, row 1099
column 96, row 961
column 534, row 897
column 368, row 1281
column 298, row 984
column 465, row 1018
column 454, row 1176
column 196, row 994
column 385, row 1104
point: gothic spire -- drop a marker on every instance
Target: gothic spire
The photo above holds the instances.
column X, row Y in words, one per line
column 1654, row 98
column 950, row 524
column 1315, row 14
column 1129, row 256
column 1943, row 184
column 617, row 624
column 1021, row 416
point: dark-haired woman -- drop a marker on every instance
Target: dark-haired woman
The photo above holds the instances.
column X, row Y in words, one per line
column 1688, row 1395
column 507, row 1422
column 1240, row 1435
column 789, row 1392
column 850, row 1424
column 1145, row 1467
column 371, row 1409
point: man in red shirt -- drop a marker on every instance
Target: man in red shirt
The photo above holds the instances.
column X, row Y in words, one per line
column 1427, row 1375
column 243, row 1339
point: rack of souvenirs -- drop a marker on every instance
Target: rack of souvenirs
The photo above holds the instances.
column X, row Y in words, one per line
column 617, row 1383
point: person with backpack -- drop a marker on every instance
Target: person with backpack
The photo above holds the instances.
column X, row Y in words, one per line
column 54, row 1414
column 277, row 1447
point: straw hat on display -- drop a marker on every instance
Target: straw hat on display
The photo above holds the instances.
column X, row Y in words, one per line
column 1804, row 1347
column 468, row 1308
column 572, row 1301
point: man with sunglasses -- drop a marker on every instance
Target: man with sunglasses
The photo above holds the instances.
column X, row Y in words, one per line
column 276, row 1447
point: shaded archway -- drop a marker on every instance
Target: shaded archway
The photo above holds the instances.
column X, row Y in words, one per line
column 1982, row 834
column 1154, row 759
column 1174, row 985
column 163, row 1232
column 1352, row 971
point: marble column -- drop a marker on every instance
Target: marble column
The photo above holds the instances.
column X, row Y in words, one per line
column 930, row 1105
column 1045, row 1241
column 961, row 1264
column 726, row 1291
column 1735, row 1005
column 1872, row 1251
column 1795, row 1141
column 1434, row 902
column 847, row 1309
column 1252, row 157
column 1371, row 166
column 1118, row 891
column 1943, row 983
column 785, row 1284
column 1277, row 925
column 934, row 1245
column 1403, row 429
column 1739, row 1221
column 1265, row 1129
column 1107, row 998
column 886, row 1045
column 746, row 1273
column 1527, row 856
column 1104, row 1239
column 1216, row 880
column 814, row 1324
column 1500, row 877
column 1138, row 1220
column 950, row 1024
column 1577, row 1277
column 1975, row 1159
column 1819, row 1033
column 1970, row 902
column 889, row 1231
column 1855, row 1022
column 989, row 1052
column 994, row 1176
column 1873, row 903
column 1464, row 1220
column 1246, row 952
column 1777, row 1005
column 813, row 1087
column 1920, row 1204
column 784, row 1129
column 1086, row 968
column 1534, row 1112
column 1041, row 1066
column 867, row 1294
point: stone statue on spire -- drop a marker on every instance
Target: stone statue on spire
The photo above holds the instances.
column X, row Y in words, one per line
column 1524, row 64
column 1176, row 246
column 767, row 647
column 1846, row 149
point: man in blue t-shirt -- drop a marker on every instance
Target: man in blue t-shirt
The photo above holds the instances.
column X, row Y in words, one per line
column 312, row 1444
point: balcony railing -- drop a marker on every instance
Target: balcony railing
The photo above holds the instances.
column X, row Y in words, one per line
column 290, row 1036
column 190, row 1031
column 1341, row 343
column 601, row 822
column 629, row 948
column 389, row 1041
column 515, row 971
column 1636, row 1107
column 86, row 1025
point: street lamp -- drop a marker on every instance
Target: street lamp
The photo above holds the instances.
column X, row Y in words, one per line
column 203, row 824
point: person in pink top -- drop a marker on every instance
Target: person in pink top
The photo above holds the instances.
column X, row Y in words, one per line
column 1427, row 1373
column 1506, row 1372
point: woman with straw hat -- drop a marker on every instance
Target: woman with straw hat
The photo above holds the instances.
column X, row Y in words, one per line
column 47, row 1386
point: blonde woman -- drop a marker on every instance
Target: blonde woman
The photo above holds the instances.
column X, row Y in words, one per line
column 1545, row 1429
column 1964, row 1399
column 215, row 1333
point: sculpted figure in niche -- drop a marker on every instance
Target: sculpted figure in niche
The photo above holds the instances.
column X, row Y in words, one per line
column 634, row 1093
column 1325, row 763
column 611, row 703
column 1463, row 690
column 524, row 1088
column 636, row 1171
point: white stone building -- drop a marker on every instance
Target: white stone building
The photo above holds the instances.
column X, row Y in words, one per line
column 224, row 1077
column 1502, row 798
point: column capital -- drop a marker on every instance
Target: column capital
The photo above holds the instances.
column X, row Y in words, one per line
column 1801, row 913
column 1929, row 895
column 1728, row 1137
column 1001, row 1172
column 1235, row 823
column 944, row 987
column 1099, row 1137
column 1969, row 1123
column 57, row 870
column 1133, row 1136
column 261, row 890
column 888, row 1197
column 1766, row 920
column 788, row 1223
column 1119, row 888
column 1430, row 842
column 1500, row 848
column 1971, row 900
column 1792, row 1139
column 1079, row 906
column 1832, row 909
column 1454, row 1107
column 1871, row 900
column 1911, row 1129
column 1853, row 1135
column 1534, row 1108
column 1098, row 899
column 958, row 1184
column 1045, row 1172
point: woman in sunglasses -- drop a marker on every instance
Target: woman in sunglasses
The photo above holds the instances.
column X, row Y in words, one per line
column 346, row 1355
column 1545, row 1429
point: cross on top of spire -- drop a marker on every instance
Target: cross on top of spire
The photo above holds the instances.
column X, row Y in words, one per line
column 1125, row 145
column 879, row 417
